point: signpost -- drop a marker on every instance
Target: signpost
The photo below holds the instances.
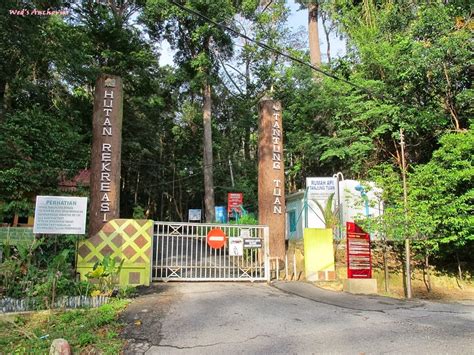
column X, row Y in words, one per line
column 245, row 233
column 271, row 175
column 359, row 259
column 60, row 215
column 194, row 214
column 320, row 188
column 106, row 152
column 221, row 214
column 234, row 203
column 252, row 243
column 236, row 246
column 216, row 238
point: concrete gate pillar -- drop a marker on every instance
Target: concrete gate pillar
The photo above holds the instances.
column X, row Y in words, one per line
column 271, row 175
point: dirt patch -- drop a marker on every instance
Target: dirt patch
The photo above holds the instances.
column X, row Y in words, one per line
column 330, row 285
column 444, row 288
column 143, row 316
column 456, row 295
column 438, row 293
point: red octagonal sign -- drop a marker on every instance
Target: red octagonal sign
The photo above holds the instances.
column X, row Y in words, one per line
column 216, row 238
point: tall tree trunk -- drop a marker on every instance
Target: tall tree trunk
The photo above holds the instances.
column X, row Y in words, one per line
column 135, row 197
column 163, row 178
column 247, row 143
column 208, row 159
column 180, row 189
column 459, row 279
column 247, row 126
column 314, row 48
column 426, row 272
column 174, row 179
column 449, row 102
column 458, row 262
column 162, row 207
column 3, row 108
column 328, row 40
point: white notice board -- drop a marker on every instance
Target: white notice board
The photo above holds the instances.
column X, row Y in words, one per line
column 320, row 188
column 60, row 215
column 194, row 215
column 236, row 246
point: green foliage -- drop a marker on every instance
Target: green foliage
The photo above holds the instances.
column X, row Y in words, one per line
column 191, row 37
column 86, row 338
column 107, row 272
column 413, row 57
column 440, row 202
column 127, row 292
column 138, row 212
column 329, row 213
column 96, row 326
column 35, row 148
column 246, row 219
column 18, row 271
column 391, row 225
column 419, row 81
column 41, row 271
column 442, row 197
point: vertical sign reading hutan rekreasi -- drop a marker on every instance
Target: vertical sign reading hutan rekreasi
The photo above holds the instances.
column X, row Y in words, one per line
column 106, row 152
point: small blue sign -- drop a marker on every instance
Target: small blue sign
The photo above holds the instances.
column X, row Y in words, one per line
column 221, row 214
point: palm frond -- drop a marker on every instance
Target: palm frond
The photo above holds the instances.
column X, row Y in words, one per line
column 330, row 215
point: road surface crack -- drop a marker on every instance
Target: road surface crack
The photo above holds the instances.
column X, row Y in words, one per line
column 211, row 344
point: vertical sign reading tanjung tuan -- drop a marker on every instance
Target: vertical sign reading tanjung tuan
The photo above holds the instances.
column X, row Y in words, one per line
column 359, row 260
column 106, row 151
column 271, row 175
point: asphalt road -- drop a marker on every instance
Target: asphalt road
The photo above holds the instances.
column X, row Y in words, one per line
column 290, row 318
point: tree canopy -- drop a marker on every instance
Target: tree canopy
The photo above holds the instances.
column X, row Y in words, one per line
column 408, row 66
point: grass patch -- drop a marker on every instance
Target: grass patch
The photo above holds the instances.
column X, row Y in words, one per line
column 85, row 330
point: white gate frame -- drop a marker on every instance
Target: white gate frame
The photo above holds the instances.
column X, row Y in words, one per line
column 180, row 253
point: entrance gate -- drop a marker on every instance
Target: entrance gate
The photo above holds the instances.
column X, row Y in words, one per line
column 181, row 253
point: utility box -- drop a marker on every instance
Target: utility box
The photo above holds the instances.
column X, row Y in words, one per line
column 319, row 254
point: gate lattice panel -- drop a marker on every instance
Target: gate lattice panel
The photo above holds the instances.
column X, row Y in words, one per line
column 181, row 253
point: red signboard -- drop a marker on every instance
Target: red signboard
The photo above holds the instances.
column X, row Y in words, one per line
column 234, row 202
column 216, row 238
column 359, row 258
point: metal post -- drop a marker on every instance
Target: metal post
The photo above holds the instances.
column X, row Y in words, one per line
column 231, row 173
column 266, row 244
column 278, row 269
column 405, row 205
column 305, row 206
column 294, row 265
column 340, row 177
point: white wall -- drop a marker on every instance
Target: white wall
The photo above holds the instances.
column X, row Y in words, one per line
column 353, row 206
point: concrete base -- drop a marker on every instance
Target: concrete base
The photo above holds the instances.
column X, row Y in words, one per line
column 360, row 286
column 321, row 275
